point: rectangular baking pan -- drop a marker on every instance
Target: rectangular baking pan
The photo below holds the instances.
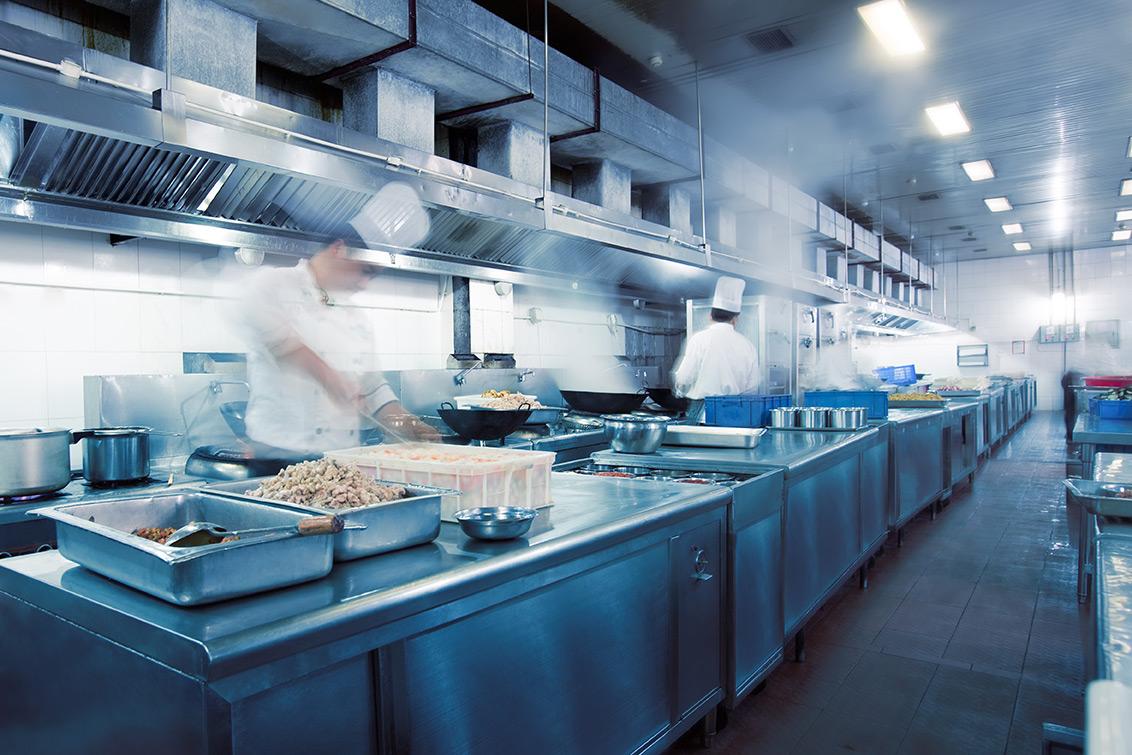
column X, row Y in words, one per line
column 389, row 526
column 98, row 536
column 712, row 437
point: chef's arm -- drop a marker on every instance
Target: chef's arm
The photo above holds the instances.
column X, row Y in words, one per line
column 341, row 388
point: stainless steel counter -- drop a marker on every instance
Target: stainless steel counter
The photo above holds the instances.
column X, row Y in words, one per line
column 962, row 426
column 1102, row 432
column 918, row 461
column 563, row 618
column 1113, row 607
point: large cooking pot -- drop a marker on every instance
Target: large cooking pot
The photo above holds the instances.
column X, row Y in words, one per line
column 483, row 424
column 114, row 454
column 34, row 461
column 604, row 403
column 667, row 400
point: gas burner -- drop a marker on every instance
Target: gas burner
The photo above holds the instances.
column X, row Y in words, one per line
column 533, row 432
column 115, row 484
column 18, row 499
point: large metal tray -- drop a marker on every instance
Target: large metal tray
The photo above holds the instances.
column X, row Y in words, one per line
column 1101, row 498
column 712, row 437
column 917, row 404
column 97, row 536
column 388, row 526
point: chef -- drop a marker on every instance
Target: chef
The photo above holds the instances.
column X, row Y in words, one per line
column 307, row 357
column 718, row 361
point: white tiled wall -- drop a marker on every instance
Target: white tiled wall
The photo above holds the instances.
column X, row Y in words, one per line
column 1000, row 301
column 73, row 305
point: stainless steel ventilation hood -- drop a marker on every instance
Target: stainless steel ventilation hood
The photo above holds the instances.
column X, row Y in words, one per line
column 106, row 153
column 892, row 319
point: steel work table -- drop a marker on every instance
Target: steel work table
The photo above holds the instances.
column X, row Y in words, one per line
column 1113, row 606
column 1095, row 434
column 836, row 500
column 1106, row 467
column 962, row 444
column 920, row 473
column 601, row 630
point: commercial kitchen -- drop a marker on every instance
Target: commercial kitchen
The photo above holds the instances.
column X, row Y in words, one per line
column 453, row 376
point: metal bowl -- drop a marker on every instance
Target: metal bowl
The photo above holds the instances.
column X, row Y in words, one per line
column 496, row 522
column 635, row 433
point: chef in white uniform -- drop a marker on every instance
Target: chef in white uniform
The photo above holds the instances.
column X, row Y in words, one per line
column 718, row 361
column 307, row 356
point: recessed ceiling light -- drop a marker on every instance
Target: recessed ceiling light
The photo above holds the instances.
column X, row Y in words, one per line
column 948, row 119
column 890, row 23
column 1130, row 146
column 1123, row 215
column 1126, row 187
column 1022, row 246
column 998, row 204
column 978, row 170
column 1122, row 235
column 1012, row 228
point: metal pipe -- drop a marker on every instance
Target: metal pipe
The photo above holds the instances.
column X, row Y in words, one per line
column 545, row 109
column 703, row 192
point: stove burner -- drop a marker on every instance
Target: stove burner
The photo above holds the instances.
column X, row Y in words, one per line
column 581, row 421
column 114, row 484
column 18, row 499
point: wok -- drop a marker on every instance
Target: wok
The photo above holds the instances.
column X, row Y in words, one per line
column 604, row 403
column 667, row 400
column 483, row 424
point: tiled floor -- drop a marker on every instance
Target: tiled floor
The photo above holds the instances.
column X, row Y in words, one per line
column 968, row 638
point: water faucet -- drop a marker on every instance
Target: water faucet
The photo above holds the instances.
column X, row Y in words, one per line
column 217, row 386
column 460, row 376
column 523, row 375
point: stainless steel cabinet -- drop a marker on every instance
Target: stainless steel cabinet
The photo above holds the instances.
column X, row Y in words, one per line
column 917, row 458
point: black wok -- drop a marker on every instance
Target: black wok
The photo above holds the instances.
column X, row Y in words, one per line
column 604, row 403
column 483, row 424
column 667, row 400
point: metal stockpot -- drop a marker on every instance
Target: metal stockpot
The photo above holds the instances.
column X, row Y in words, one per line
column 784, row 416
column 114, row 454
column 34, row 461
column 813, row 418
column 849, row 418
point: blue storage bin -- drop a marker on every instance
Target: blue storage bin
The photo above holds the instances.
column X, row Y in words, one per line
column 905, row 374
column 744, row 410
column 1110, row 409
column 876, row 402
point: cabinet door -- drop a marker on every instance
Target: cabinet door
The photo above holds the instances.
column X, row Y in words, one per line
column 698, row 574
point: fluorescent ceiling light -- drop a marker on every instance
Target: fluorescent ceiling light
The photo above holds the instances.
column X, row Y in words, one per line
column 1123, row 215
column 889, row 22
column 948, row 119
column 978, row 170
column 1022, row 246
column 1012, row 228
column 1126, row 187
column 1122, row 235
column 1130, row 146
column 998, row 204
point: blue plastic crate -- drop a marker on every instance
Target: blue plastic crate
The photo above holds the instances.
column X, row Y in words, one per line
column 744, row 410
column 875, row 402
column 905, row 374
column 1110, row 409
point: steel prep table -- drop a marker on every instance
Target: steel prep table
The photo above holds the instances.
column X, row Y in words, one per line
column 1104, row 466
column 919, row 467
column 961, row 425
column 996, row 426
column 598, row 632
column 835, row 506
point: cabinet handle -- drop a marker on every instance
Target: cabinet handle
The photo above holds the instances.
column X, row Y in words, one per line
column 700, row 565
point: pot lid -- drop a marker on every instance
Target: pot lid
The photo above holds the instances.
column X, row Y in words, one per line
column 31, row 432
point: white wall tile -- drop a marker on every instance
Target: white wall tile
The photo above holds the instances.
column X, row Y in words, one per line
column 21, row 253
column 21, row 326
column 159, row 266
column 68, row 258
column 68, row 320
column 115, row 266
column 160, row 323
column 23, row 388
column 117, row 323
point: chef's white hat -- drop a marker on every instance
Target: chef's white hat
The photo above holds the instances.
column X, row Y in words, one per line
column 729, row 294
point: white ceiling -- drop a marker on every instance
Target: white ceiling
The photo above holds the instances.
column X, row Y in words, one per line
column 1045, row 84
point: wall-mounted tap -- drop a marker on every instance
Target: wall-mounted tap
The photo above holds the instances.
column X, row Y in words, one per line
column 217, row 386
column 524, row 374
column 460, row 376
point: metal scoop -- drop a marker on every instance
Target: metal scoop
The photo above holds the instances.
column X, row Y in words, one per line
column 207, row 533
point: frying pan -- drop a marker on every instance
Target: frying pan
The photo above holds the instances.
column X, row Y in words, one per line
column 604, row 403
column 483, row 424
column 668, row 400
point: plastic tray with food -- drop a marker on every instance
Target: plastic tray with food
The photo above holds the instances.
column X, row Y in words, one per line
column 396, row 514
column 101, row 537
column 483, row 476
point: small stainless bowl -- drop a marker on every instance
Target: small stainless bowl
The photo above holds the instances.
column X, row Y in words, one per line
column 635, row 433
column 496, row 522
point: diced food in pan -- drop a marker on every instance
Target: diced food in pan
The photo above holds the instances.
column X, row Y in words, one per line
column 327, row 484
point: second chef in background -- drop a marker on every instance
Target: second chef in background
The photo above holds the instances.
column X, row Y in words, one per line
column 718, row 361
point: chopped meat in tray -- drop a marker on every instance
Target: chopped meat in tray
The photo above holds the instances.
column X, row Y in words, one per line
column 327, row 484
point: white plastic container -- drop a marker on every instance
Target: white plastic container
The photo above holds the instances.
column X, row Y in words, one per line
column 484, row 476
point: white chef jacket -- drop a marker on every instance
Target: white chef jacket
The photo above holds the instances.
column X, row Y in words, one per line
column 287, row 408
column 718, row 361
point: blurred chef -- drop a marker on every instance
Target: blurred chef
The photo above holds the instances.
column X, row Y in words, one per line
column 718, row 361
column 307, row 358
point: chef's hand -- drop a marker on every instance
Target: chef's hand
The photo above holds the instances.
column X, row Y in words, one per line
column 422, row 431
column 394, row 417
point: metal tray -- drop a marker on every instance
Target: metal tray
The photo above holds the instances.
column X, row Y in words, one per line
column 97, row 536
column 712, row 437
column 1100, row 497
column 960, row 394
column 917, row 405
column 389, row 526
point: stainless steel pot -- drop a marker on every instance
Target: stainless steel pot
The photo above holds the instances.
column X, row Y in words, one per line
column 813, row 417
column 34, row 461
column 849, row 418
column 114, row 454
column 635, row 433
column 784, row 416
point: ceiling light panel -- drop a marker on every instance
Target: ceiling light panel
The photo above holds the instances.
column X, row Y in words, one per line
column 1022, row 246
column 978, row 170
column 948, row 119
column 1012, row 228
column 1123, row 215
column 1126, row 187
column 890, row 23
column 1122, row 235
column 1130, row 146
column 998, row 204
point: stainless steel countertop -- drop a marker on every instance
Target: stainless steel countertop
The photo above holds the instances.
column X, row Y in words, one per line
column 1114, row 605
column 790, row 450
column 1106, row 432
column 216, row 640
column 900, row 416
